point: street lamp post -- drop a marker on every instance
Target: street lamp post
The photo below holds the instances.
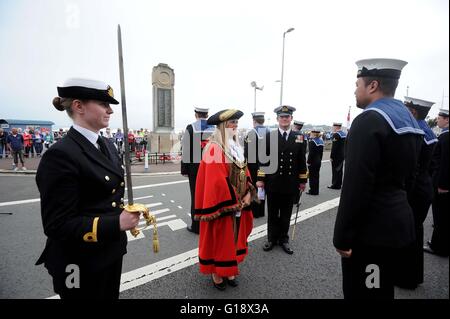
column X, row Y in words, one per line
column 282, row 65
column 255, row 86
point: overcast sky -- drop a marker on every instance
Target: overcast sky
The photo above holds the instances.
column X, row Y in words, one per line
column 216, row 49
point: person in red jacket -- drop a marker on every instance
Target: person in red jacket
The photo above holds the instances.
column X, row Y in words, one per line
column 223, row 195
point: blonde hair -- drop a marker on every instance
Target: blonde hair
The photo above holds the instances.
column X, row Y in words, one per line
column 220, row 136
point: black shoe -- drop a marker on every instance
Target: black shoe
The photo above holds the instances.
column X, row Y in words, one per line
column 286, row 248
column 268, row 246
column 232, row 282
column 220, row 286
column 333, row 187
column 190, row 229
column 309, row 193
column 427, row 248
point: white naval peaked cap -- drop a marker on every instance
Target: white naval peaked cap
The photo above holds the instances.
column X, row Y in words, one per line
column 410, row 101
column 81, row 88
column 298, row 122
column 443, row 112
column 337, row 124
column 316, row 130
column 201, row 110
column 258, row 114
column 87, row 83
column 380, row 67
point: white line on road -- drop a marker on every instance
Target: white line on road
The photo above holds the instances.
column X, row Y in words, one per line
column 159, row 211
column 35, row 200
column 168, row 266
column 153, row 205
column 19, row 202
column 159, row 219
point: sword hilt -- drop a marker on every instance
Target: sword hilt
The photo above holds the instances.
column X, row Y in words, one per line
column 149, row 219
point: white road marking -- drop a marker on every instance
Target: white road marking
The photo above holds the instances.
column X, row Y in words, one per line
column 180, row 207
column 153, row 205
column 19, row 202
column 167, row 266
column 173, row 225
column 159, row 211
column 172, row 201
column 159, row 219
column 35, row 200
column 162, row 194
column 143, row 197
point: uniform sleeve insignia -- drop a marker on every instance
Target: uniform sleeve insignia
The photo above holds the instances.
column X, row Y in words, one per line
column 91, row 237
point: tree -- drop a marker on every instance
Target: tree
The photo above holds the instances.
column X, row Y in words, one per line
column 432, row 122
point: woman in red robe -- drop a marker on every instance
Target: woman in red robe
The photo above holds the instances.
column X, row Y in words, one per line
column 222, row 198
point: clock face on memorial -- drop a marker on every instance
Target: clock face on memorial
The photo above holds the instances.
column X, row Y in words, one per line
column 164, row 78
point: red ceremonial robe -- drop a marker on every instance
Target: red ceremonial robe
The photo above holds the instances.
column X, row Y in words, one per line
column 216, row 203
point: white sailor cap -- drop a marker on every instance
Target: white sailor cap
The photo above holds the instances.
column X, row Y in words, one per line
column 201, row 110
column 87, row 89
column 258, row 115
column 337, row 124
column 316, row 130
column 443, row 112
column 299, row 123
column 380, row 68
column 417, row 103
column 284, row 110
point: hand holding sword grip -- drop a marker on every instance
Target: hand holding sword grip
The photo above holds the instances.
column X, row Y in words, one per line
column 149, row 219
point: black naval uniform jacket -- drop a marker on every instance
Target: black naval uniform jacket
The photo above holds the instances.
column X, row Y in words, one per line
column 440, row 162
column 81, row 195
column 380, row 167
column 253, row 142
column 337, row 148
column 291, row 170
column 189, row 162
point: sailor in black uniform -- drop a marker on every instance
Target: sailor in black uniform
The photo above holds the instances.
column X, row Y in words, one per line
column 252, row 145
column 337, row 156
column 314, row 161
column 374, row 219
column 410, row 265
column 194, row 140
column 439, row 243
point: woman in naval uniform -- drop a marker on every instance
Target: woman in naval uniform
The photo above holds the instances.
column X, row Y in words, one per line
column 81, row 185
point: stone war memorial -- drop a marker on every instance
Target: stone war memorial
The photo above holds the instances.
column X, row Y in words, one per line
column 163, row 138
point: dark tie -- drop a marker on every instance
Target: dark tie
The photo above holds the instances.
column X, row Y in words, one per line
column 102, row 145
column 285, row 135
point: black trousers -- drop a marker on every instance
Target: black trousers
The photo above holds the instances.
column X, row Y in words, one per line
column 195, row 224
column 314, row 175
column 337, row 167
column 409, row 268
column 279, row 213
column 103, row 284
column 368, row 273
column 440, row 239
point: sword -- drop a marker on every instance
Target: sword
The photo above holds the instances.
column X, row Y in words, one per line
column 131, row 206
column 296, row 214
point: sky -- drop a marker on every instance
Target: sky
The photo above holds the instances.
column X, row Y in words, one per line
column 217, row 48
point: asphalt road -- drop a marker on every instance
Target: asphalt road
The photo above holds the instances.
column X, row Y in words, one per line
column 312, row 272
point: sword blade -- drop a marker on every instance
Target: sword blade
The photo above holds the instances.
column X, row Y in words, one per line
column 124, row 120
